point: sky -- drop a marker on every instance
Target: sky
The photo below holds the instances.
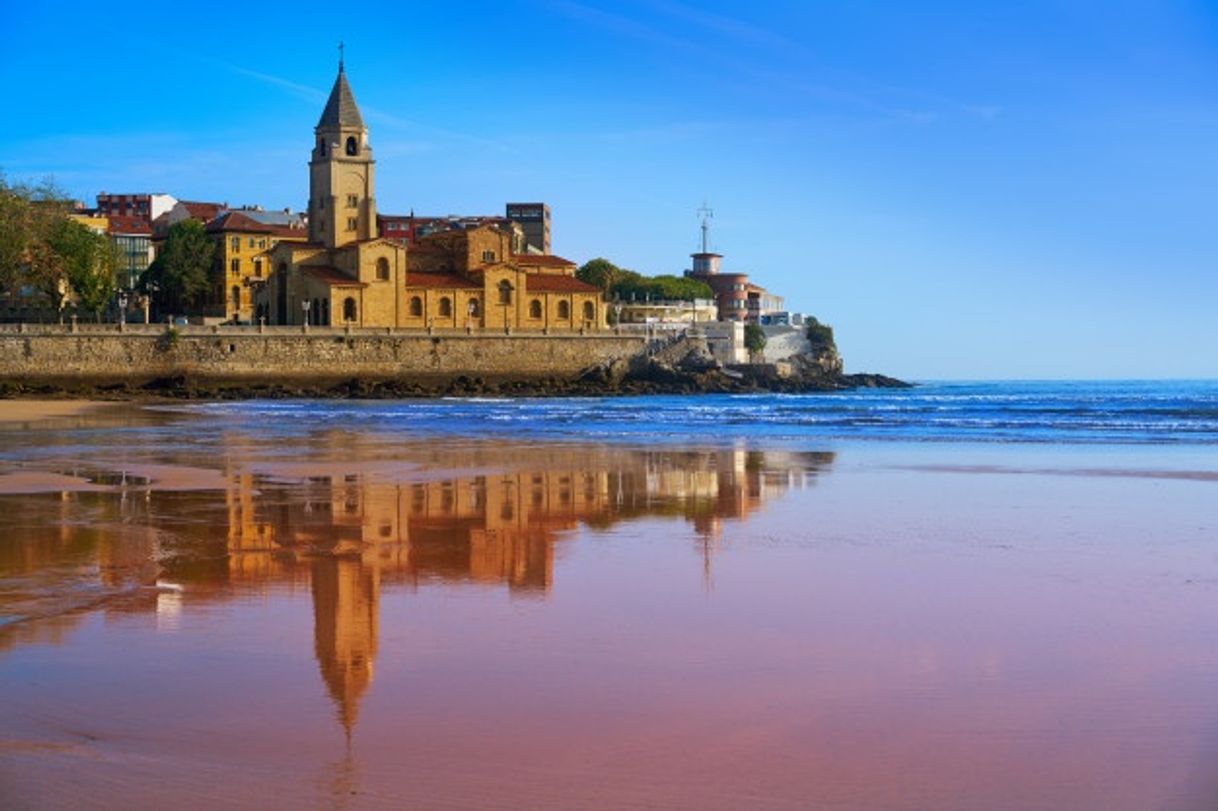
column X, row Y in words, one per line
column 962, row 190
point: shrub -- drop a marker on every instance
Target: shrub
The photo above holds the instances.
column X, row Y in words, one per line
column 820, row 335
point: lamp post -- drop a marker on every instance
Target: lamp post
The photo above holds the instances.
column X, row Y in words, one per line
column 122, row 310
column 150, row 289
column 469, row 315
column 304, row 308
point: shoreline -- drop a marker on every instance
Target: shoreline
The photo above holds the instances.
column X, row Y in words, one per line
column 599, row 382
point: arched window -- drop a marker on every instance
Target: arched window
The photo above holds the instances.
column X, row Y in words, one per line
column 564, row 309
column 505, row 293
column 446, row 307
column 416, row 306
column 382, row 269
column 352, row 145
column 473, row 308
column 325, row 312
column 349, row 311
column 535, row 308
column 589, row 311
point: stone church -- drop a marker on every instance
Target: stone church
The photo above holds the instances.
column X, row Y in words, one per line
column 346, row 274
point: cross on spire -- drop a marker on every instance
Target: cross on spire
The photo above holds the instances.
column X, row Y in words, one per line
column 340, row 56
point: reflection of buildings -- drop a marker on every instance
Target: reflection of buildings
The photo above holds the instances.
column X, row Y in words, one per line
column 346, row 534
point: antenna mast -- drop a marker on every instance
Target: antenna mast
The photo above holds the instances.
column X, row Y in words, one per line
column 706, row 214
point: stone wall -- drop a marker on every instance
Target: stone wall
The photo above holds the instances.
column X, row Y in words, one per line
column 321, row 354
column 781, row 342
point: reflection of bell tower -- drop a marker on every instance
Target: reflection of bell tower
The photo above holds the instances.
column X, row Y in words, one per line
column 345, row 605
column 342, row 207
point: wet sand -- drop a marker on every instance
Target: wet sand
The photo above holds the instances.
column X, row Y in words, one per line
column 32, row 411
column 499, row 625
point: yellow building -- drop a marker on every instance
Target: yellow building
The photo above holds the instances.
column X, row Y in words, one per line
column 346, row 274
column 243, row 263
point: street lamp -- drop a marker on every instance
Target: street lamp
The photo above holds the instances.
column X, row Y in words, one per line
column 469, row 315
column 122, row 309
column 304, row 308
column 150, row 290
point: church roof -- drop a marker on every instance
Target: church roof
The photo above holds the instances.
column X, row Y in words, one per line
column 451, row 281
column 331, row 276
column 341, row 110
column 547, row 283
column 540, row 260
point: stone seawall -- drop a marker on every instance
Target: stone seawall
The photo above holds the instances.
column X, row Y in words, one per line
column 248, row 356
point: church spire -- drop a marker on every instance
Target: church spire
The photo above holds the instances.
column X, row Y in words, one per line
column 341, row 110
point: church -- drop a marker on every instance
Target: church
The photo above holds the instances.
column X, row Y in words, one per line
column 346, row 274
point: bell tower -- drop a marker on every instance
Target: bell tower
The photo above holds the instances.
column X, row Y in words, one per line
column 342, row 206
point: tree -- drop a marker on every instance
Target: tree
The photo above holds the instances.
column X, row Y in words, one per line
column 28, row 216
column 179, row 274
column 754, row 340
column 600, row 272
column 15, row 227
column 820, row 335
column 86, row 262
column 627, row 284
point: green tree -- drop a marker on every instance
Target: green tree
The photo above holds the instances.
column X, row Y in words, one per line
column 754, row 340
column 820, row 335
column 28, row 217
column 15, row 230
column 86, row 262
column 600, row 272
column 179, row 274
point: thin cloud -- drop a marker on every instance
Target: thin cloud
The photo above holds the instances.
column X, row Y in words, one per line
column 732, row 27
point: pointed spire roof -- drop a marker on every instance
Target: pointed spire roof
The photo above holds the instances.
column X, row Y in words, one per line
column 341, row 110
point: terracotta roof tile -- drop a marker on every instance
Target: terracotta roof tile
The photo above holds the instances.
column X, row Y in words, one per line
column 332, row 276
column 447, row 280
column 129, row 225
column 547, row 283
column 541, row 259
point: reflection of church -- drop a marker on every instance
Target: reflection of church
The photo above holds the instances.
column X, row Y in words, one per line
column 347, row 535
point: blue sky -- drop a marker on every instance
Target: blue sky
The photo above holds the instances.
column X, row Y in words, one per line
column 964, row 190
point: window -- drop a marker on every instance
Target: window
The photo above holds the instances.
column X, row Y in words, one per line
column 589, row 311
column 564, row 309
column 236, row 297
column 352, row 201
column 416, row 306
column 446, row 307
column 253, row 242
column 349, row 311
column 505, row 293
column 535, row 308
column 488, row 256
column 262, row 243
column 321, row 147
column 352, row 223
column 352, row 145
column 235, row 243
column 472, row 309
column 235, row 267
column 382, row 269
